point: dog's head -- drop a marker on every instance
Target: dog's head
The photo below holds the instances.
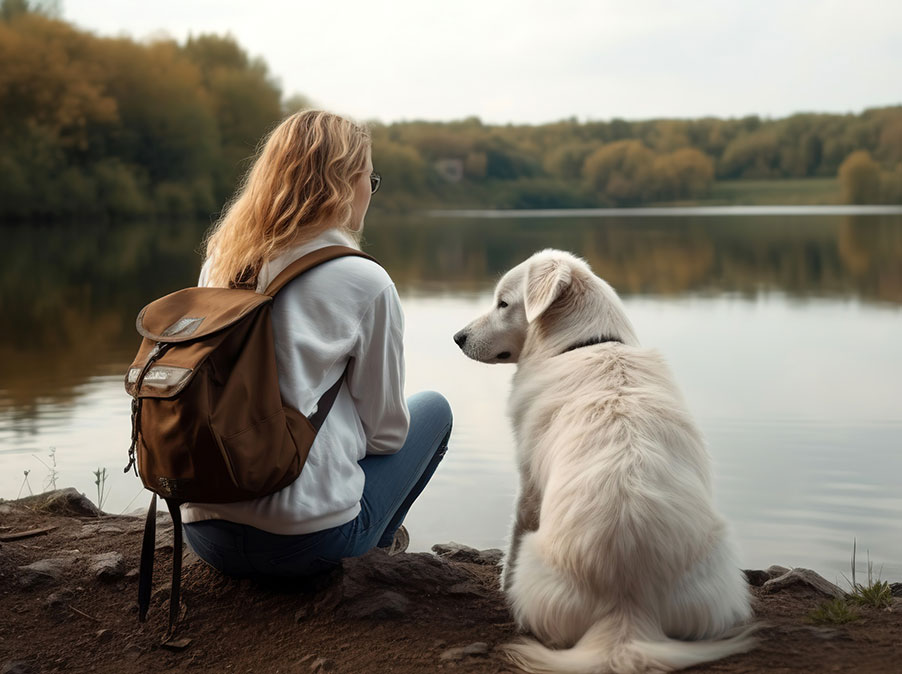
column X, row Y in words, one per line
column 545, row 304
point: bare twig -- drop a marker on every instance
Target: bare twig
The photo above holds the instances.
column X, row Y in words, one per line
column 5, row 538
column 82, row 613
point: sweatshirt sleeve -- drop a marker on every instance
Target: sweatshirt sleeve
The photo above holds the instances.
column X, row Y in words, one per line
column 376, row 376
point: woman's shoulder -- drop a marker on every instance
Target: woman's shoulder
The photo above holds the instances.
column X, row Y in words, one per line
column 344, row 272
column 367, row 270
column 354, row 277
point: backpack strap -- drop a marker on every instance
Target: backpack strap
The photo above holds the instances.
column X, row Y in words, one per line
column 325, row 403
column 145, row 579
column 174, row 595
column 309, row 261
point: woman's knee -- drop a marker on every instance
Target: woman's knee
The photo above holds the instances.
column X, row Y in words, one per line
column 432, row 404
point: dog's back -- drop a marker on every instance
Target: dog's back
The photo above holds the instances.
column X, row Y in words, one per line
column 627, row 528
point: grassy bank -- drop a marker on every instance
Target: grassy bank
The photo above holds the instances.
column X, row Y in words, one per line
column 785, row 192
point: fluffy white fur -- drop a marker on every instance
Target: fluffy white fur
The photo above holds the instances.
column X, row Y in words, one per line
column 617, row 560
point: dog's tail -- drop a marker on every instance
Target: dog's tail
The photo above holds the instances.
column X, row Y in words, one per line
column 606, row 648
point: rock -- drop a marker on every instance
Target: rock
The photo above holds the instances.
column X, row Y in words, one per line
column 176, row 644
column 104, row 635
column 141, row 514
column 57, row 599
column 806, row 579
column 384, row 605
column 303, row 613
column 67, row 501
column 756, row 578
column 477, row 648
column 457, row 552
column 108, row 566
column 56, row 605
column 132, row 652
column 377, row 584
column 92, row 530
column 896, row 589
column 44, row 571
column 460, row 652
column 16, row 667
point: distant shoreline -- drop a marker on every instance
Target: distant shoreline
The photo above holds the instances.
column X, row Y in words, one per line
column 668, row 211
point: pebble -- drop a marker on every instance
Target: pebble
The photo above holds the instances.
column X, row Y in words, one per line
column 108, row 566
column 43, row 571
column 16, row 667
column 385, row 605
column 460, row 652
column 321, row 665
column 176, row 644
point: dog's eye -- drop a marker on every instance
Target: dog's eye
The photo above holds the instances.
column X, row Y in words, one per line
column 501, row 304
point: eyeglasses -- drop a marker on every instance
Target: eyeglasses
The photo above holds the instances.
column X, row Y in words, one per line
column 375, row 181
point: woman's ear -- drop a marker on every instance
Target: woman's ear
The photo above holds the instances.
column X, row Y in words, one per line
column 546, row 279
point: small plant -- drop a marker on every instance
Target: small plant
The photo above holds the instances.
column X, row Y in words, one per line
column 833, row 612
column 100, row 482
column 53, row 474
column 876, row 593
column 24, row 484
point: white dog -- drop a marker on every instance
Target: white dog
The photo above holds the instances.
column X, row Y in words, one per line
column 618, row 561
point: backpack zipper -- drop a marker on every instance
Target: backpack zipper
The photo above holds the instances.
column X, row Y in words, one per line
column 154, row 354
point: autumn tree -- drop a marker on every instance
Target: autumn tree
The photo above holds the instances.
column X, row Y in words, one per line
column 859, row 177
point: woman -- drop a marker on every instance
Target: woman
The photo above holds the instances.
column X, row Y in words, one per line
column 310, row 187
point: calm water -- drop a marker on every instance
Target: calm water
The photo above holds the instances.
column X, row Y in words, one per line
column 783, row 329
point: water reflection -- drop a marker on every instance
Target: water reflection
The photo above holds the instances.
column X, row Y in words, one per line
column 70, row 294
column 859, row 256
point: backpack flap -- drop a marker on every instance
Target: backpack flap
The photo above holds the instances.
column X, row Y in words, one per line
column 195, row 319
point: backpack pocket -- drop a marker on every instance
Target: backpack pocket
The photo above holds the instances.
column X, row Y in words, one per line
column 262, row 457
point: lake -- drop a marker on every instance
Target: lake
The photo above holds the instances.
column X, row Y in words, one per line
column 783, row 328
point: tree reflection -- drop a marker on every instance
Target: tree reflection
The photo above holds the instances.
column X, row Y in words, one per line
column 70, row 297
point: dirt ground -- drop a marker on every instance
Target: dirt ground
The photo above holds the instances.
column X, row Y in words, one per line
column 80, row 622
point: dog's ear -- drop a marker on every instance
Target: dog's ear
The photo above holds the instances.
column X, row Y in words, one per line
column 546, row 279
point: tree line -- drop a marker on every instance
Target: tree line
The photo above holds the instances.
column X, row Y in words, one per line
column 111, row 127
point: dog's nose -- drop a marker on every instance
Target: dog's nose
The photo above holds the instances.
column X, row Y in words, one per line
column 460, row 338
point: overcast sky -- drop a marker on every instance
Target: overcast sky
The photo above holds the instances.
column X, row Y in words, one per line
column 535, row 62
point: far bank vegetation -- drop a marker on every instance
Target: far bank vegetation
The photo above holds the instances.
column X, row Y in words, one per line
column 116, row 128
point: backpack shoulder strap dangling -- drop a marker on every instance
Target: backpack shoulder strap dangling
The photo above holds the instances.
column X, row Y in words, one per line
column 145, row 576
column 174, row 596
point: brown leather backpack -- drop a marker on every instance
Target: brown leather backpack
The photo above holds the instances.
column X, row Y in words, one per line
column 208, row 422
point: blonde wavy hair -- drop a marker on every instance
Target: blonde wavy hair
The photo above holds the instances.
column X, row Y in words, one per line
column 300, row 185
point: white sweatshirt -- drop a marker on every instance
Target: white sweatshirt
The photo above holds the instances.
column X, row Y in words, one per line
column 347, row 308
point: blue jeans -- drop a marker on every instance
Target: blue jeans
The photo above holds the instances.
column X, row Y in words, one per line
column 392, row 483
